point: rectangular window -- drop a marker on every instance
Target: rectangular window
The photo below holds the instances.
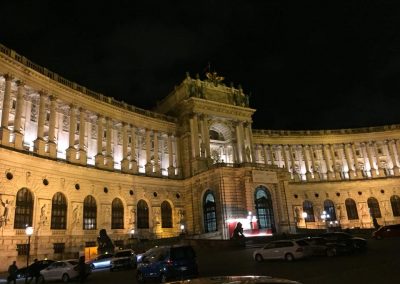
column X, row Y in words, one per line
column 130, row 139
column 90, row 244
column 119, row 243
column 380, row 151
column 105, row 134
column 336, row 154
column 14, row 104
column 48, row 116
column 22, row 249
column 59, row 247
column 358, row 152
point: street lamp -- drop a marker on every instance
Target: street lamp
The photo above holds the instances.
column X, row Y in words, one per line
column 325, row 216
column 304, row 215
column 28, row 232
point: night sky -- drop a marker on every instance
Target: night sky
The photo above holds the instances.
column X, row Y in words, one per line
column 307, row 66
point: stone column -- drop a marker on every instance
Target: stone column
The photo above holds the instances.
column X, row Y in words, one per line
column 71, row 151
column 264, row 149
column 157, row 169
column 250, row 141
column 336, row 175
column 293, row 163
column 125, row 161
column 370, row 159
column 82, row 131
column 285, row 160
column 350, row 164
column 390, row 144
column 242, row 143
column 52, row 128
column 328, row 164
column 196, row 136
column 171, row 169
column 178, row 157
column 109, row 157
column 314, row 169
column 239, row 142
column 5, row 132
column 381, row 170
column 99, row 158
column 206, row 137
column 148, row 166
column 271, row 154
column 134, row 163
column 18, row 141
column 358, row 170
column 306, row 162
column 39, row 143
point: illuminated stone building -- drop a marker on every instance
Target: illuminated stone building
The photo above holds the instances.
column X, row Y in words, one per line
column 74, row 161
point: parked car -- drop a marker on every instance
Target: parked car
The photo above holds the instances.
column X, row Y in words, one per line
column 322, row 247
column 101, row 261
column 123, row 259
column 42, row 264
column 248, row 279
column 353, row 244
column 288, row 250
column 63, row 270
column 387, row 231
column 165, row 263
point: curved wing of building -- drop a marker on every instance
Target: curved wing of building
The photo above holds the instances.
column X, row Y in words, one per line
column 74, row 162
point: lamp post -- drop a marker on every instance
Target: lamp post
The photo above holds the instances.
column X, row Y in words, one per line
column 304, row 215
column 28, row 232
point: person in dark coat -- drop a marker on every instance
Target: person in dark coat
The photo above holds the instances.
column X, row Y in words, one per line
column 82, row 269
column 12, row 273
column 34, row 271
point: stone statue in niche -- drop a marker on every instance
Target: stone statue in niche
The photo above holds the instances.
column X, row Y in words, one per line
column 43, row 215
column 4, row 216
column 76, row 213
column 105, row 244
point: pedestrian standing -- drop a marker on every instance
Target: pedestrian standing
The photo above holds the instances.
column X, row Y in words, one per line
column 12, row 273
column 82, row 269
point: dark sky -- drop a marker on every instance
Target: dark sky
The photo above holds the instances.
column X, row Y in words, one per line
column 308, row 66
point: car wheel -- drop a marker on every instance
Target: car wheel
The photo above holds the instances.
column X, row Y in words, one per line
column 331, row 252
column 65, row 278
column 163, row 278
column 259, row 258
column 92, row 266
column 112, row 269
column 378, row 237
column 41, row 279
column 140, row 277
column 289, row 257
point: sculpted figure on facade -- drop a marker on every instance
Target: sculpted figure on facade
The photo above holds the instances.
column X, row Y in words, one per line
column 76, row 215
column 132, row 215
column 4, row 215
column 43, row 220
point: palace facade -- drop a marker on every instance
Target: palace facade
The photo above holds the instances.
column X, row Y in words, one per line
column 74, row 161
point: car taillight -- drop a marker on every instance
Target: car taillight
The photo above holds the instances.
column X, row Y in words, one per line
column 299, row 250
column 169, row 262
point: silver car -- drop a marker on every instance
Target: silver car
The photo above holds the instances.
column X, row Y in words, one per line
column 248, row 279
column 101, row 261
column 123, row 259
column 288, row 250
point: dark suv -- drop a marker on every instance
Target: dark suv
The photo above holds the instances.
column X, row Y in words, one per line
column 387, row 232
column 166, row 263
column 353, row 244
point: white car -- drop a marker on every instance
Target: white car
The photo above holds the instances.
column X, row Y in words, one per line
column 284, row 249
column 63, row 270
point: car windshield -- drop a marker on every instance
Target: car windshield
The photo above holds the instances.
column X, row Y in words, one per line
column 73, row 262
column 123, row 254
column 302, row 243
column 182, row 253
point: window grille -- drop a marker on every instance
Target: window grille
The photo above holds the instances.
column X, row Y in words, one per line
column 89, row 213
column 166, row 215
column 59, row 212
column 142, row 215
column 117, row 214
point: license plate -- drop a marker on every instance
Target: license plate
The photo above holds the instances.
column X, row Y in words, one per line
column 183, row 268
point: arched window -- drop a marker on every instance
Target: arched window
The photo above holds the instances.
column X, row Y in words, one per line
column 89, row 213
column 117, row 214
column 264, row 210
column 395, row 202
column 374, row 209
column 59, row 212
column 351, row 209
column 209, row 212
column 309, row 209
column 23, row 209
column 166, row 215
column 142, row 215
column 329, row 208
